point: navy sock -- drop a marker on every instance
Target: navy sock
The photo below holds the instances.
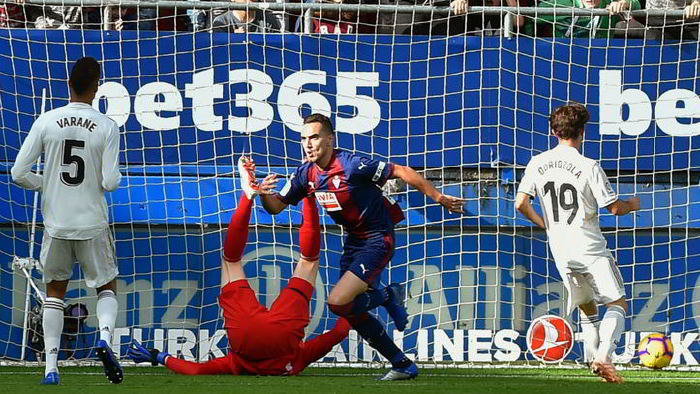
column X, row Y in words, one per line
column 369, row 300
column 372, row 330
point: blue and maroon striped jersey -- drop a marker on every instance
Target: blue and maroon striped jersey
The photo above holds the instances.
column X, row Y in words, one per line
column 349, row 190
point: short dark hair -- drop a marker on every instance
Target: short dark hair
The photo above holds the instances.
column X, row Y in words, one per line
column 567, row 121
column 322, row 119
column 85, row 73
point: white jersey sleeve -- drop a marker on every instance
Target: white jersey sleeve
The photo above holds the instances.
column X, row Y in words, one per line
column 600, row 187
column 28, row 154
column 81, row 161
column 110, row 160
column 527, row 183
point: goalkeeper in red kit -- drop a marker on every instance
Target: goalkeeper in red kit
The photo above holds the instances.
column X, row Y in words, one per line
column 261, row 341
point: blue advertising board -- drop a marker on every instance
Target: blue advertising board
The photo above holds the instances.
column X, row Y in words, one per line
column 463, row 101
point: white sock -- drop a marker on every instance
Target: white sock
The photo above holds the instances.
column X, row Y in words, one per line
column 589, row 326
column 52, row 321
column 107, row 308
column 611, row 328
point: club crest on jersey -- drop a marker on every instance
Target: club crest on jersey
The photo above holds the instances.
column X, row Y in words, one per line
column 550, row 338
column 336, row 181
column 329, row 201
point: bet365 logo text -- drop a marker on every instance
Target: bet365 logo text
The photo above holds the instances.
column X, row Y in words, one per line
column 676, row 112
column 155, row 98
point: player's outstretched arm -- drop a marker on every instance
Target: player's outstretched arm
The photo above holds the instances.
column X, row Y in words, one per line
column 141, row 354
column 623, row 207
column 522, row 204
column 410, row 176
column 28, row 154
column 322, row 344
column 217, row 366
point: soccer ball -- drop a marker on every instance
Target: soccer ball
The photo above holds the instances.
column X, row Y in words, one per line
column 655, row 351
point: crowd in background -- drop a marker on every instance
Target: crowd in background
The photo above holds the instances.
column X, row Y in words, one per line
column 618, row 22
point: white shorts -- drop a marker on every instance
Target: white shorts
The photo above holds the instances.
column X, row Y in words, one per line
column 96, row 257
column 599, row 281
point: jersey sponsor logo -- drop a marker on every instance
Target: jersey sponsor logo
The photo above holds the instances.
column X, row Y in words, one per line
column 378, row 173
column 329, row 201
column 362, row 165
column 336, row 181
column 550, row 338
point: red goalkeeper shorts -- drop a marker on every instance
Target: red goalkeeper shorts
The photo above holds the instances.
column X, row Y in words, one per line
column 255, row 333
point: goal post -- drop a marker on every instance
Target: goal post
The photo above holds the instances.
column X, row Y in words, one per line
column 467, row 111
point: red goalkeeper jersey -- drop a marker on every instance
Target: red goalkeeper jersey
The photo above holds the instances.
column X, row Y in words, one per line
column 291, row 364
column 266, row 342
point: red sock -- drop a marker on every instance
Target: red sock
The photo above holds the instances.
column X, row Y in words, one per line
column 217, row 366
column 237, row 235
column 310, row 231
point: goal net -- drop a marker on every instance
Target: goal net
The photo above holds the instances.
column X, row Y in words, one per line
column 468, row 111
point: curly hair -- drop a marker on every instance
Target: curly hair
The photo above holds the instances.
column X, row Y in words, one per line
column 567, row 121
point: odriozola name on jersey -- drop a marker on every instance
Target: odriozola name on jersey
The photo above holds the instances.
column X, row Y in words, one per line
column 561, row 164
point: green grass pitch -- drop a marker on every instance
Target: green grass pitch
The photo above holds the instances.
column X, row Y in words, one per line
column 88, row 380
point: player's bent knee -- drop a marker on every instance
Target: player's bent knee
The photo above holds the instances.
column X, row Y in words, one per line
column 589, row 308
column 57, row 288
column 622, row 303
column 112, row 286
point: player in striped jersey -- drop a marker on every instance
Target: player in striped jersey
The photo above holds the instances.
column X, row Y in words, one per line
column 571, row 189
column 348, row 187
column 81, row 162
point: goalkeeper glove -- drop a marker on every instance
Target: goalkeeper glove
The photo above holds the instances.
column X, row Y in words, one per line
column 140, row 354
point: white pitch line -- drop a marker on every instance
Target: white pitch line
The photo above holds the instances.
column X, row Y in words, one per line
column 558, row 377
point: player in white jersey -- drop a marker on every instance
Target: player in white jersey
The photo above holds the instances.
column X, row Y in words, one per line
column 81, row 162
column 572, row 188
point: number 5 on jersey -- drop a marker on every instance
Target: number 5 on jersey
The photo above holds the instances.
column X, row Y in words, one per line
column 71, row 148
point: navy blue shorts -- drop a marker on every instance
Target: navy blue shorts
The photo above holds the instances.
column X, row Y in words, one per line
column 366, row 258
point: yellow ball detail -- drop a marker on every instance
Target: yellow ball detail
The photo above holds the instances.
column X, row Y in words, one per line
column 655, row 351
